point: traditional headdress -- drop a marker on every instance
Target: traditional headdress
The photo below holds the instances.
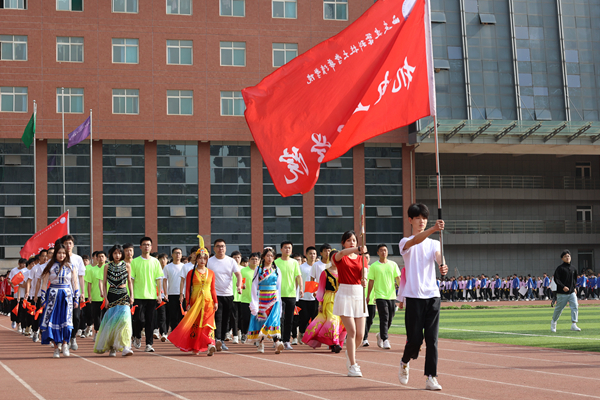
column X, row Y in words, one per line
column 202, row 250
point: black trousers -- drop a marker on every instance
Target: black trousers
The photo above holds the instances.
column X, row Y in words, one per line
column 222, row 316
column 421, row 318
column 77, row 319
column 308, row 310
column 371, row 309
column 233, row 319
column 160, row 319
column 23, row 315
column 96, row 314
column 244, row 317
column 13, row 303
column 287, row 317
column 144, row 318
column 174, row 314
column 386, row 310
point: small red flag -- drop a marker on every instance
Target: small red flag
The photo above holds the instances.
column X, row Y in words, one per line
column 162, row 303
column 104, row 304
column 133, row 309
column 182, row 310
column 17, row 279
column 297, row 310
column 38, row 312
column 311, row 286
column 16, row 310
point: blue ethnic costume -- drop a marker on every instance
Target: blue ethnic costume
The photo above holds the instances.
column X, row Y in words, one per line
column 58, row 300
column 265, row 305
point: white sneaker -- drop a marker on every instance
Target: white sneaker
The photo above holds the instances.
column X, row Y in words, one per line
column 287, row 346
column 149, row 349
column 386, row 344
column 219, row 345
column 14, row 325
column 553, row 326
column 65, row 350
column 78, row 333
column 74, row 345
column 403, row 373
column 354, row 371
column 90, row 331
column 365, row 343
column 228, row 336
column 294, row 341
column 279, row 347
column 261, row 347
column 56, row 353
column 211, row 350
column 235, row 340
column 137, row 343
column 379, row 340
column 574, row 327
column 20, row 330
column 244, row 338
column 127, row 352
column 163, row 337
column 156, row 334
column 82, row 335
column 432, row 384
column 112, row 353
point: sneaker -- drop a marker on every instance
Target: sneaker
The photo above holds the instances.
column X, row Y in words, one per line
column 244, row 338
column 149, row 349
column 386, row 344
column 156, row 334
column 219, row 345
column 432, row 384
column 574, row 327
column 287, row 346
column 36, row 337
column 279, row 347
column 90, row 332
column 223, row 347
column 294, row 341
column 82, row 335
column 354, row 370
column 127, row 352
column 365, row 343
column 336, row 348
column 403, row 373
column 553, row 326
column 74, row 345
column 300, row 336
column 20, row 330
column 261, row 347
column 379, row 340
column 235, row 340
column 56, row 353
column 137, row 343
column 163, row 337
column 228, row 336
column 65, row 350
column 112, row 353
column 78, row 333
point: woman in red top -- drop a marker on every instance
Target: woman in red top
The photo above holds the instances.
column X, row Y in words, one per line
column 350, row 302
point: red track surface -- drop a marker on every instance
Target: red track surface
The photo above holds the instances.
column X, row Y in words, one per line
column 467, row 370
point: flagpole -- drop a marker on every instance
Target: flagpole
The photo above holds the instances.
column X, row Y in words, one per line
column 34, row 172
column 91, row 188
column 439, row 186
column 63, row 149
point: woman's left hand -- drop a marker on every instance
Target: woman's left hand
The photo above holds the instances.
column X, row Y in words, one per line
column 363, row 282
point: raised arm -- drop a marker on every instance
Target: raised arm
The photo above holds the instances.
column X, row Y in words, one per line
column 420, row 237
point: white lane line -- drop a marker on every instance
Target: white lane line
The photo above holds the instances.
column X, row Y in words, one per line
column 100, row 365
column 242, row 377
column 339, row 374
column 21, row 381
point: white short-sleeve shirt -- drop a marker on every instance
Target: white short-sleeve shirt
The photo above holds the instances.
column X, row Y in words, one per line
column 224, row 269
column 172, row 272
column 420, row 269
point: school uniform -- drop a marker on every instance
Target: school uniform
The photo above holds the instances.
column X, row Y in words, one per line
column 546, row 286
column 516, row 284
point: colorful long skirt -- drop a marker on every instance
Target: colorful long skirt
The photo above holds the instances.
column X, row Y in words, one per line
column 57, row 321
column 115, row 330
column 197, row 329
column 326, row 328
column 267, row 322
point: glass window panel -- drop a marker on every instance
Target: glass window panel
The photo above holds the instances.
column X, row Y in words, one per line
column 132, row 54
column 173, row 105
column 226, row 57
column 238, row 8
column 173, row 55
column 290, row 10
column 186, row 56
column 186, row 106
column 239, row 57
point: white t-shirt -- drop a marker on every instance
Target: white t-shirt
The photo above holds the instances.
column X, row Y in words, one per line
column 171, row 272
column 35, row 275
column 318, row 268
column 224, row 270
column 22, row 286
column 12, row 274
column 420, row 269
column 305, row 271
column 187, row 267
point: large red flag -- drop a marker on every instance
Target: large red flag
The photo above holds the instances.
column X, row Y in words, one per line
column 374, row 76
column 45, row 238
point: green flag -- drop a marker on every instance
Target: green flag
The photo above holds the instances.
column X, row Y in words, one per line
column 29, row 132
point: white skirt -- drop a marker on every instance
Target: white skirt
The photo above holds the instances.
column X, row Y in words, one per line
column 350, row 301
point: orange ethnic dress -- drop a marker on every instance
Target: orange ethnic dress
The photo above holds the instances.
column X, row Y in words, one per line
column 197, row 329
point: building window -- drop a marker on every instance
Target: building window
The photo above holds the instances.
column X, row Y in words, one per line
column 125, row 6
column 126, row 101
column 232, row 8
column 284, row 53
column 179, row 52
column 232, row 104
column 73, row 100
column 233, row 54
column 335, row 9
column 14, row 4
column 14, row 99
column 180, row 102
column 69, row 5
column 69, row 49
column 284, row 8
column 14, row 48
column 181, row 7
column 230, row 200
column 583, row 170
column 125, row 51
column 584, row 213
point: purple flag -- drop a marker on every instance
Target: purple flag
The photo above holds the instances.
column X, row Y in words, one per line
column 80, row 133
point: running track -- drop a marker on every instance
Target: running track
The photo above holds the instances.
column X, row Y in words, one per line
column 467, row 370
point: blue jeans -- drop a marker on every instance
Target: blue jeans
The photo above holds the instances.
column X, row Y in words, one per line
column 561, row 302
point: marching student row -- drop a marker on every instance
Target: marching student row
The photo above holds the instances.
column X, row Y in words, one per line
column 194, row 305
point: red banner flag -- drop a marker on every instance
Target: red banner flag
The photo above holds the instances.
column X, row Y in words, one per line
column 45, row 238
column 374, row 76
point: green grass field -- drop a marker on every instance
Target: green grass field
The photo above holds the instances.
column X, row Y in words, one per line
column 527, row 326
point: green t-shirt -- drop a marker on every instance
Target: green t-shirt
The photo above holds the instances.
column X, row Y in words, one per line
column 145, row 273
column 384, row 280
column 247, row 273
column 236, row 295
column 93, row 275
column 289, row 270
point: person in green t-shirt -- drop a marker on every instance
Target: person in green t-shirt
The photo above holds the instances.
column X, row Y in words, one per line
column 92, row 279
column 235, row 311
column 246, row 296
column 147, row 274
column 384, row 277
column 291, row 280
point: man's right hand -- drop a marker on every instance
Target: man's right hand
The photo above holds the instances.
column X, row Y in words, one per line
column 565, row 289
